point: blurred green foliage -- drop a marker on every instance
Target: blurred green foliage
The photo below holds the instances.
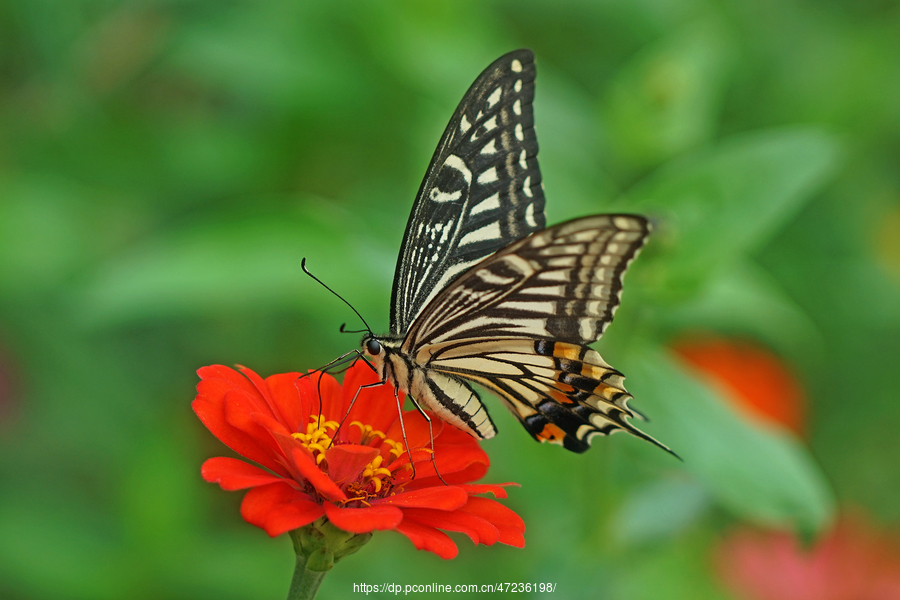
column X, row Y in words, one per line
column 164, row 165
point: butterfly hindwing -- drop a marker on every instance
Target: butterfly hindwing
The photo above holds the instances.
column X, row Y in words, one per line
column 481, row 192
column 562, row 393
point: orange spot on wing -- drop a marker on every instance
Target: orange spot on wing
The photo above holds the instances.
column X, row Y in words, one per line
column 551, row 433
column 560, row 396
column 606, row 391
column 592, row 371
column 565, row 388
column 569, row 351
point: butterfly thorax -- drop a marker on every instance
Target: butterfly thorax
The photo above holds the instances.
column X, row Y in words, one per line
column 449, row 397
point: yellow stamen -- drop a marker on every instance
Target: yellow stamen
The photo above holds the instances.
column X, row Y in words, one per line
column 366, row 432
column 316, row 438
column 396, row 448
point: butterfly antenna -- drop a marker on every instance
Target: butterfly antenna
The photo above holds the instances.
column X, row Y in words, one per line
column 343, row 329
column 320, row 282
column 340, row 360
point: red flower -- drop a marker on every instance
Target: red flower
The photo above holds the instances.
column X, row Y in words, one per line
column 756, row 380
column 359, row 476
column 852, row 563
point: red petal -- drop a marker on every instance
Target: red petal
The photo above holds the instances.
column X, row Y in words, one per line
column 244, row 414
column 417, row 433
column 225, row 374
column 294, row 414
column 425, row 476
column 210, row 408
column 486, row 488
column 428, row 538
column 311, row 472
column 479, row 530
column 263, row 391
column 459, row 459
column 322, row 394
column 510, row 524
column 364, row 520
column 278, row 508
column 439, row 497
column 268, row 423
column 458, row 456
column 347, row 461
column 233, row 474
column 375, row 406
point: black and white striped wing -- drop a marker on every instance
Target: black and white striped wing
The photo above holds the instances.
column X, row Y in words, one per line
column 481, row 192
column 562, row 283
column 518, row 324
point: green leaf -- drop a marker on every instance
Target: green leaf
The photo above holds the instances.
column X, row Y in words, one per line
column 43, row 231
column 745, row 300
column 658, row 510
column 723, row 202
column 240, row 264
column 760, row 473
column 575, row 178
column 667, row 99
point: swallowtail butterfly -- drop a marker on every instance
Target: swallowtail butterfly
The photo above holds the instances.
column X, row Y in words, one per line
column 484, row 293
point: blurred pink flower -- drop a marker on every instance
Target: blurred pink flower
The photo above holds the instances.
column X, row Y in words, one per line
column 852, row 562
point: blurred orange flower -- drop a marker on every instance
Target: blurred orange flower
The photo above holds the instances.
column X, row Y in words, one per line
column 756, row 380
column 853, row 562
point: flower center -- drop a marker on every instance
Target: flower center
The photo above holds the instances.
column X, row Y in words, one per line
column 376, row 478
column 316, row 438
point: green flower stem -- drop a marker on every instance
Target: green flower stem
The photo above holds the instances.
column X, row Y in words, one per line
column 305, row 583
column 318, row 546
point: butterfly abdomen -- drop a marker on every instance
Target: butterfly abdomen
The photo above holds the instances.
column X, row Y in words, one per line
column 449, row 397
column 454, row 401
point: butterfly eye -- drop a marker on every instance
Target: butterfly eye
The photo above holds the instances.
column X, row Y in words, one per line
column 373, row 347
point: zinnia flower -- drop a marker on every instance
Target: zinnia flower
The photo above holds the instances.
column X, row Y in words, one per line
column 853, row 562
column 359, row 476
column 753, row 378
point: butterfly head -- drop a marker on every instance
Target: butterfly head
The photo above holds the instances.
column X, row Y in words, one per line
column 378, row 350
column 372, row 348
column 374, row 351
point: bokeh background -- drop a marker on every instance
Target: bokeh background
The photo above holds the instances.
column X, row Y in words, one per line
column 166, row 164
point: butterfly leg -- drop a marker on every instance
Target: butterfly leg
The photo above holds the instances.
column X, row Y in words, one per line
column 350, row 407
column 343, row 358
column 430, row 436
column 403, row 431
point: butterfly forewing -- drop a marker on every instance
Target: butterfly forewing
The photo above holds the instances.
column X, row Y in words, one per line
column 562, row 283
column 481, row 192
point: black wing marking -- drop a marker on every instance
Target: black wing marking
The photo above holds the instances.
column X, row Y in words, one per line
column 562, row 283
column 482, row 189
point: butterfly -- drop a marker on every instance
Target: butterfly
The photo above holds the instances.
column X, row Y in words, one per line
column 484, row 293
